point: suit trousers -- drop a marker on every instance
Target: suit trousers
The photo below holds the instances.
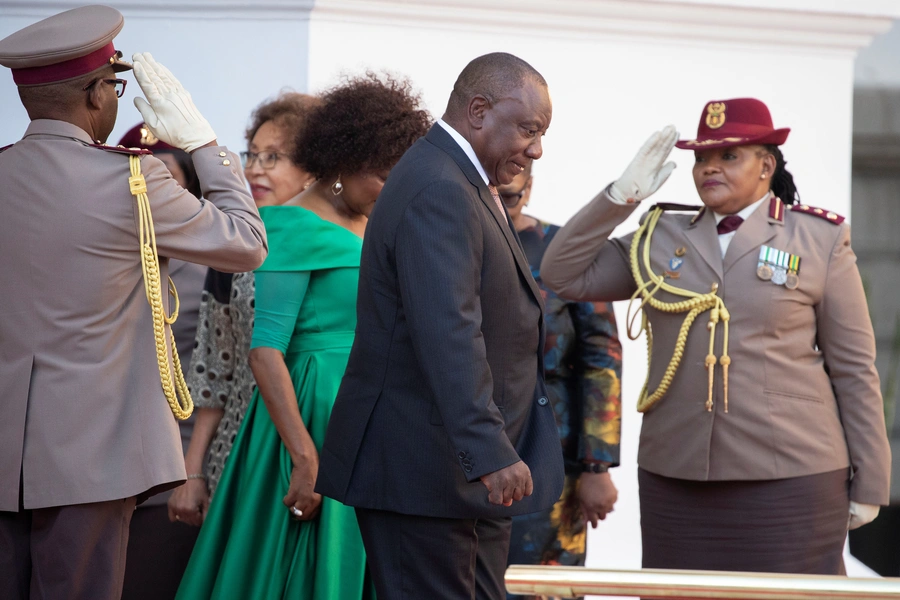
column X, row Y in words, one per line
column 158, row 553
column 412, row 557
column 75, row 552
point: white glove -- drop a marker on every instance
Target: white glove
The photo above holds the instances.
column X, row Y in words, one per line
column 646, row 173
column 170, row 113
column 861, row 514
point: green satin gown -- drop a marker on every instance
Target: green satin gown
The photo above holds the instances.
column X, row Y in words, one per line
column 249, row 547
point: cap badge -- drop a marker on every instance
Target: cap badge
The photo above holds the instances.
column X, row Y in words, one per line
column 715, row 115
column 147, row 137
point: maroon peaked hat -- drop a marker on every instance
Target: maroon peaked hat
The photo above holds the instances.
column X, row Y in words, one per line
column 735, row 122
column 140, row 136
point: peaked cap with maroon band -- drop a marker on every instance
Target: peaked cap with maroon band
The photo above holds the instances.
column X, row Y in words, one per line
column 735, row 122
column 65, row 46
column 140, row 136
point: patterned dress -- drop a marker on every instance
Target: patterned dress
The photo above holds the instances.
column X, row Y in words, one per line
column 220, row 375
column 583, row 367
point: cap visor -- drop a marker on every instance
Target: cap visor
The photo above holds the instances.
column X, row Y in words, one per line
column 122, row 65
column 775, row 138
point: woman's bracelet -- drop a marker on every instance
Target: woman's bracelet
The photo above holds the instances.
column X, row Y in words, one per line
column 197, row 476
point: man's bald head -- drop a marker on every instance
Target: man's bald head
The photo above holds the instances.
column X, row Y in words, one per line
column 493, row 76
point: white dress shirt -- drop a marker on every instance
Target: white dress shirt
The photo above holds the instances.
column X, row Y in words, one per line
column 467, row 148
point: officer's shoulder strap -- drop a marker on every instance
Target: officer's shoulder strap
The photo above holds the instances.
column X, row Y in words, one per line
column 831, row 217
column 674, row 206
column 122, row 149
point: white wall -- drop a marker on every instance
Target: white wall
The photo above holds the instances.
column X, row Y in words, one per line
column 229, row 59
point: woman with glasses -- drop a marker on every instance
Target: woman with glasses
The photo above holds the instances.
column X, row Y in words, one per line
column 268, row 534
column 583, row 367
column 219, row 375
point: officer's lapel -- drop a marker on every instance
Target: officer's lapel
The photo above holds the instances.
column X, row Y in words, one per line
column 701, row 233
column 753, row 233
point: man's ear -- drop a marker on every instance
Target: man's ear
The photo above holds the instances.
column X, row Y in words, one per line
column 476, row 110
column 96, row 99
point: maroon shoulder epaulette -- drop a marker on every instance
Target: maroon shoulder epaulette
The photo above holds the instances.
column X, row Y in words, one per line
column 776, row 209
column 6, row 147
column 818, row 212
column 121, row 149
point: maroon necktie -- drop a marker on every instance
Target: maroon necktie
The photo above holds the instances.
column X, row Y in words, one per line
column 729, row 224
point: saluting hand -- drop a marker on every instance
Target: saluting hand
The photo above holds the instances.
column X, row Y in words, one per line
column 509, row 484
column 648, row 169
column 169, row 111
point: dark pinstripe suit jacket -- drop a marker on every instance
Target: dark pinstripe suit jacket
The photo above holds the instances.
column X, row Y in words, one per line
column 444, row 382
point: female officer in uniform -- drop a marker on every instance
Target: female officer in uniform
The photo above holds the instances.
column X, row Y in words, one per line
column 763, row 426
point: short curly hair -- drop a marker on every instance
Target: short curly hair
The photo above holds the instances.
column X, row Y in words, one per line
column 364, row 124
column 288, row 111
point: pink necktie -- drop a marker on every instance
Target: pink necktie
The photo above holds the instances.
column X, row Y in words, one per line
column 496, row 196
column 729, row 224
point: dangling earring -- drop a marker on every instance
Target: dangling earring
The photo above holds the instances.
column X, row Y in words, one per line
column 337, row 187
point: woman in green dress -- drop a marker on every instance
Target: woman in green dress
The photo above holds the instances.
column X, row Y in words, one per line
column 268, row 535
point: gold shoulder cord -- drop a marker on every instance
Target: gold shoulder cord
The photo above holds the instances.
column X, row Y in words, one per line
column 183, row 407
column 694, row 306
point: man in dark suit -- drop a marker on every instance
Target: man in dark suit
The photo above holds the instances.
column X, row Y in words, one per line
column 442, row 430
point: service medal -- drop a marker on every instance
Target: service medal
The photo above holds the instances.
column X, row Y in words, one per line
column 779, row 276
column 763, row 270
column 791, row 281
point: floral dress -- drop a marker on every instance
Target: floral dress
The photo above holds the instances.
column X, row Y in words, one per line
column 583, row 367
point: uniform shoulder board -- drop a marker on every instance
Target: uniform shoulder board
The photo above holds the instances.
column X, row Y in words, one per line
column 6, row 147
column 829, row 216
column 121, row 149
column 673, row 206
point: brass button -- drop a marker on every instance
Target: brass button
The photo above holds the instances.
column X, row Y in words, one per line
column 223, row 154
column 226, row 162
column 715, row 287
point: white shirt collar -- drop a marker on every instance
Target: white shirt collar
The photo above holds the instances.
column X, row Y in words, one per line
column 725, row 238
column 467, row 148
column 745, row 212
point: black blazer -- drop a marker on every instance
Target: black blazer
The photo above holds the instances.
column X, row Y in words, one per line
column 444, row 382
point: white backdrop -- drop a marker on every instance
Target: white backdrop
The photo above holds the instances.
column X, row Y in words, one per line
column 617, row 70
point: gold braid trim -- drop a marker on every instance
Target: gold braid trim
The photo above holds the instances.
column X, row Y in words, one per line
column 178, row 396
column 693, row 306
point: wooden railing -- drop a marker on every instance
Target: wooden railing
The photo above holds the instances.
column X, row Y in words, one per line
column 568, row 582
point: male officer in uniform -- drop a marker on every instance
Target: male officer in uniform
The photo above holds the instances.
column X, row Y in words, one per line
column 85, row 429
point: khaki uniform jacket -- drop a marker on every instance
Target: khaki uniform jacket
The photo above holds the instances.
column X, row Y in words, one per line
column 82, row 414
column 804, row 396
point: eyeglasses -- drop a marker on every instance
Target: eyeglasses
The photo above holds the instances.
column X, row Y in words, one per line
column 510, row 199
column 267, row 160
column 118, row 83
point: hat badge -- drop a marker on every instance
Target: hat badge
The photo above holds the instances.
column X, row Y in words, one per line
column 715, row 115
column 147, row 137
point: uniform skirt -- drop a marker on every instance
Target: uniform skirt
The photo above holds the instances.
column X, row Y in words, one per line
column 795, row 525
